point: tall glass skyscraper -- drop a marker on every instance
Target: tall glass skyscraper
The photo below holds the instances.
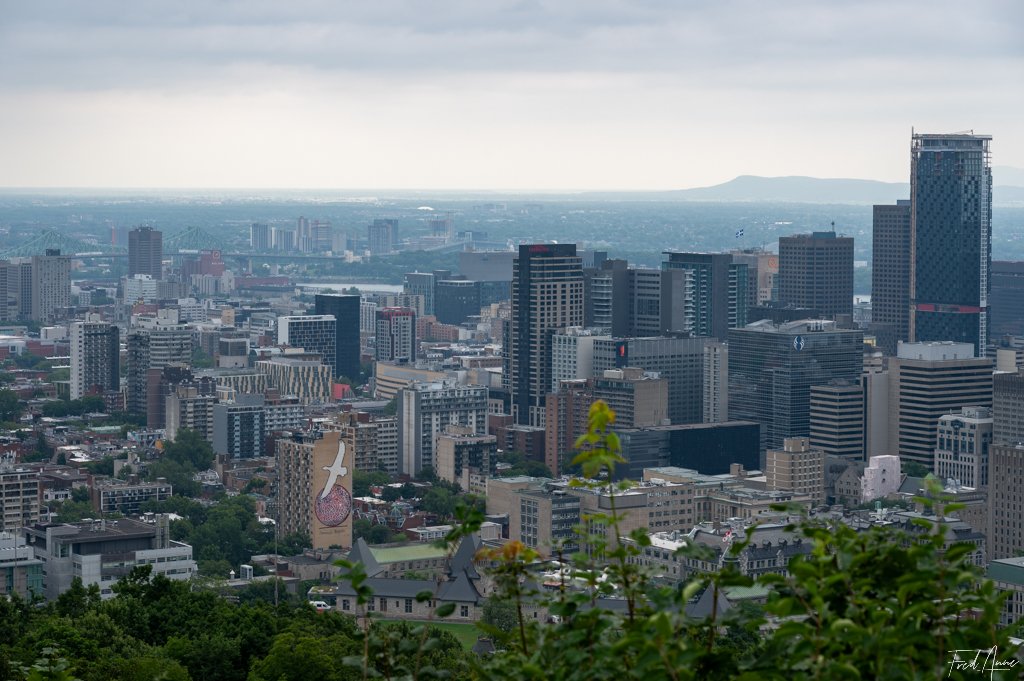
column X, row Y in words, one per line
column 951, row 238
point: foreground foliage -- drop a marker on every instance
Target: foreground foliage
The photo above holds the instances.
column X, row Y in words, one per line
column 875, row 604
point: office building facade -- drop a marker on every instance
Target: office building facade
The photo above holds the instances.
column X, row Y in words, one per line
column 145, row 252
column 837, row 419
column 962, row 446
column 316, row 334
column 772, row 368
column 816, row 272
column 456, row 300
column 677, row 359
column 890, row 274
column 346, row 312
column 926, row 381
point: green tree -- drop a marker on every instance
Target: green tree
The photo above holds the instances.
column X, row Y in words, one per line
column 189, row 447
column 363, row 480
column 499, row 614
column 439, row 501
column 10, row 405
column 914, row 469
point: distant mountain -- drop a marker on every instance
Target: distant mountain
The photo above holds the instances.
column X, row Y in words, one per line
column 799, row 189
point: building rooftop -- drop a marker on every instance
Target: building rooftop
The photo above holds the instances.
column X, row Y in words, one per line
column 395, row 554
column 1007, row 570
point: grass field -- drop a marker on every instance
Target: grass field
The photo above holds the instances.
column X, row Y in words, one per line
column 464, row 631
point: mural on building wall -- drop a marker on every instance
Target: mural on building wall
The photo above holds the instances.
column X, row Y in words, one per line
column 332, row 485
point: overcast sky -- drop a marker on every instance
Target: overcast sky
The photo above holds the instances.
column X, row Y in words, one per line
column 492, row 94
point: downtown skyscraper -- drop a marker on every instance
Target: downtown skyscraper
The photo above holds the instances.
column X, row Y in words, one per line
column 145, row 252
column 950, row 238
column 547, row 295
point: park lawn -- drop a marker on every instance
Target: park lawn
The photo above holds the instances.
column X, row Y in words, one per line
column 466, row 632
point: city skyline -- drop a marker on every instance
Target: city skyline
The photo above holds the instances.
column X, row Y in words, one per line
column 519, row 97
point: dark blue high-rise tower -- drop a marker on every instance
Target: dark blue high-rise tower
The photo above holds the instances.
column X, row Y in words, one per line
column 951, row 238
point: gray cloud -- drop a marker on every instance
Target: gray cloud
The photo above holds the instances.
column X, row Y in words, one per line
column 158, row 44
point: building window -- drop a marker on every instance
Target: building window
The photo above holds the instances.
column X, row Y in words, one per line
column 463, row 611
column 408, row 605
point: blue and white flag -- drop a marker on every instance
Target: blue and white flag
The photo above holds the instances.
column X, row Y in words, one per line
column 739, row 233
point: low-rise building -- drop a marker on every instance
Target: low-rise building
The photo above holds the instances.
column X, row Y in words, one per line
column 1008, row 575
column 110, row 495
column 101, row 552
column 21, row 573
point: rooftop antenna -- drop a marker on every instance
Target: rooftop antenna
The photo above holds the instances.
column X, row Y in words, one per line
column 833, row 226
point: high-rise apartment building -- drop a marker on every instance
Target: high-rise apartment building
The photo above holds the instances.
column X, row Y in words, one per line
column 951, row 238
column 372, row 441
column 716, row 382
column 638, row 301
column 346, row 312
column 426, row 409
column 145, row 252
column 240, row 428
column 816, row 272
column 189, row 407
column 19, row 496
column 396, row 335
column 772, row 368
column 466, row 459
column 154, row 342
column 547, row 295
column 315, row 471
column 95, row 357
column 568, row 409
column 284, row 239
column 316, row 334
column 380, row 237
column 259, row 237
column 927, row 380
column 51, row 285
column 890, row 274
column 962, row 446
column 718, row 292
